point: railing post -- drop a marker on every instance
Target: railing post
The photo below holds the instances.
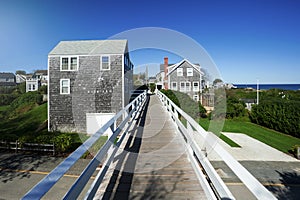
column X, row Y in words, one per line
column 189, row 132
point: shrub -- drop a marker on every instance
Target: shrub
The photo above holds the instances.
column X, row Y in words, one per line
column 283, row 116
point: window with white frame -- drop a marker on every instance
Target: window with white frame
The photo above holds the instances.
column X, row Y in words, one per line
column 105, row 63
column 182, row 86
column 196, row 86
column 174, row 86
column 179, row 72
column 33, row 87
column 189, row 71
column 69, row 63
column 65, row 86
column 29, row 87
column 188, row 86
column 196, row 97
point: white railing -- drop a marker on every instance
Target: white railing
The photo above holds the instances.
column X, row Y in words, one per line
column 129, row 113
column 197, row 154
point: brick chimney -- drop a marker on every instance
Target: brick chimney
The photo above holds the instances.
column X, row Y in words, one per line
column 166, row 64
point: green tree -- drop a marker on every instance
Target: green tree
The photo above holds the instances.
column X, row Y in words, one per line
column 152, row 87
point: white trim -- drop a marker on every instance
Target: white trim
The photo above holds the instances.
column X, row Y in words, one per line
column 83, row 55
column 196, row 67
column 69, row 63
column 187, row 89
column 180, row 88
column 172, row 88
column 197, row 88
column 60, row 86
column 189, row 70
column 109, row 62
column 48, row 89
column 197, row 97
column 123, row 85
column 178, row 71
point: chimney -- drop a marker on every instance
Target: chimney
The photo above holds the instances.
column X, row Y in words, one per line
column 166, row 64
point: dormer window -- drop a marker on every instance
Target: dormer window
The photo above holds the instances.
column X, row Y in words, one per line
column 69, row 63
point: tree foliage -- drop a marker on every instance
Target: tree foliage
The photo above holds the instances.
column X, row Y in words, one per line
column 235, row 108
column 280, row 115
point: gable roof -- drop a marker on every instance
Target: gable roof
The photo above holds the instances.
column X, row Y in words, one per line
column 7, row 75
column 86, row 47
column 175, row 66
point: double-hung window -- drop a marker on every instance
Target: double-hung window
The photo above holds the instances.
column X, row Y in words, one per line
column 189, row 71
column 69, row 63
column 179, row 72
column 65, row 86
column 182, row 86
column 188, row 86
column 105, row 63
column 174, row 86
column 196, row 86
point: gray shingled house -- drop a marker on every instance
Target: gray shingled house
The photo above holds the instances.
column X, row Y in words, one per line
column 89, row 81
column 7, row 79
column 184, row 76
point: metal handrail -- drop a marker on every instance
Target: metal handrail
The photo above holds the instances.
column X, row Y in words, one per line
column 256, row 188
column 40, row 189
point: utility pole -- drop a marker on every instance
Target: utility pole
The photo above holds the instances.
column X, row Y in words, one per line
column 257, row 92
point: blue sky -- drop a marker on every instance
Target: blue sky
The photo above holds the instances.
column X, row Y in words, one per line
column 247, row 40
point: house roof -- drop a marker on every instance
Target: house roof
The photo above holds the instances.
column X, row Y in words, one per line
column 86, row 47
column 43, row 72
column 175, row 66
column 7, row 75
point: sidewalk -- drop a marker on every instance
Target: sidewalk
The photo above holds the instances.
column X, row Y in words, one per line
column 250, row 150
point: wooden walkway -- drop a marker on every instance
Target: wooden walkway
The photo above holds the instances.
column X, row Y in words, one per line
column 152, row 163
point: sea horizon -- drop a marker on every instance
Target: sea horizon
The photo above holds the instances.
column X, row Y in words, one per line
column 265, row 86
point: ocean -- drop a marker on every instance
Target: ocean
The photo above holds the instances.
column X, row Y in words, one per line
column 270, row 86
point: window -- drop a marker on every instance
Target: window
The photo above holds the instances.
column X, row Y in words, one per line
column 65, row 86
column 196, row 97
column 33, row 87
column 174, row 86
column 189, row 71
column 179, row 72
column 69, row 64
column 196, row 86
column 188, row 86
column 29, row 87
column 73, row 63
column 105, row 63
column 182, row 86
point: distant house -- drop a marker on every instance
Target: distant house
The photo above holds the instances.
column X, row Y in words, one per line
column 7, row 79
column 184, row 77
column 41, row 75
column 89, row 82
column 36, row 80
column 32, row 84
column 20, row 78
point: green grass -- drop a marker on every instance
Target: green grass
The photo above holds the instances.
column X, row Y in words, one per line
column 25, row 123
column 270, row 137
column 4, row 108
column 229, row 141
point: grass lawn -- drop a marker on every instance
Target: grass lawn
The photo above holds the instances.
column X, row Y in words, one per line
column 270, row 137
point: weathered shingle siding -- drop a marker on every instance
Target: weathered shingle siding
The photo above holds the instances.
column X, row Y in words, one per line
column 195, row 78
column 91, row 91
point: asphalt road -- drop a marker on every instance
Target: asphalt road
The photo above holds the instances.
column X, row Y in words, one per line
column 20, row 172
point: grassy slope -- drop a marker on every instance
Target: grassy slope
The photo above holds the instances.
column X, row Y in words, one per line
column 273, row 138
column 25, row 123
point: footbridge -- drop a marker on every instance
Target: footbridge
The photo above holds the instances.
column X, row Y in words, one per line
column 150, row 154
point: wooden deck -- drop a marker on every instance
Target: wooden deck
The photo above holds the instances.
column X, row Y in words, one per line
column 152, row 163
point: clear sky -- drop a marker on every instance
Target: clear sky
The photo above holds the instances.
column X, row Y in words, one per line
column 248, row 40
